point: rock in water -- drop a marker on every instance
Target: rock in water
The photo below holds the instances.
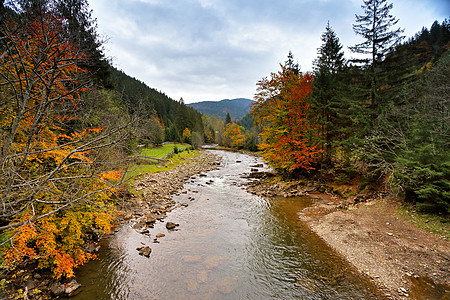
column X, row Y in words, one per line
column 145, row 251
column 171, row 225
column 71, row 287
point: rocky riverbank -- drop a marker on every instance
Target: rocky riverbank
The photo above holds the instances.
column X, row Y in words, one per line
column 155, row 190
column 405, row 262
column 150, row 201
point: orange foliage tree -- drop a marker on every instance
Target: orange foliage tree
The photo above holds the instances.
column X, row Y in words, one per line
column 54, row 191
column 233, row 136
column 282, row 110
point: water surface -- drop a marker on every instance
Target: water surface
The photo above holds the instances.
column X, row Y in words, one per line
column 229, row 245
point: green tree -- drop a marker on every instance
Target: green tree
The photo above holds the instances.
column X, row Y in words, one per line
column 422, row 164
column 379, row 39
column 81, row 29
column 327, row 98
column 228, row 119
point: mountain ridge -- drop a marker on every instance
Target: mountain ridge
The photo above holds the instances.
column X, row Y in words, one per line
column 238, row 108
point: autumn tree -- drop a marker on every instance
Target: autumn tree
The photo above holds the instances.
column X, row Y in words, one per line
column 150, row 131
column 55, row 183
column 233, row 136
column 187, row 135
column 375, row 26
column 282, row 110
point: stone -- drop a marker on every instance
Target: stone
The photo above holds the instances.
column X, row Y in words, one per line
column 171, row 225
column 202, row 276
column 227, row 285
column 213, row 261
column 57, row 288
column 160, row 235
column 71, row 287
column 192, row 258
column 145, row 251
column 192, row 286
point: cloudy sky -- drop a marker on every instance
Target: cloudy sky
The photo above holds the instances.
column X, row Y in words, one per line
column 216, row 49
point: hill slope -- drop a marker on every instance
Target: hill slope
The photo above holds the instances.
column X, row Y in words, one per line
column 237, row 108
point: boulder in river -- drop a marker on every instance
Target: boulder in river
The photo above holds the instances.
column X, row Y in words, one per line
column 144, row 251
column 171, row 225
column 60, row 289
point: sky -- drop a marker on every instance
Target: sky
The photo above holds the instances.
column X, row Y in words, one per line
column 209, row 50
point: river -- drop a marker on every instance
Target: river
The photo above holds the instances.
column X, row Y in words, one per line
column 230, row 245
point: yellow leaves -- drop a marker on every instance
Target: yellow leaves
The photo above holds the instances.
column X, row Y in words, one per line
column 233, row 135
column 50, row 163
column 186, row 135
column 426, row 67
column 112, row 176
column 23, row 235
column 64, row 265
column 103, row 221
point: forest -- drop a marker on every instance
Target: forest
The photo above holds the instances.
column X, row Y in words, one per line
column 384, row 119
column 69, row 120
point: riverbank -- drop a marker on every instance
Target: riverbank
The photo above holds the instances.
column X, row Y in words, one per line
column 153, row 192
column 405, row 262
column 150, row 201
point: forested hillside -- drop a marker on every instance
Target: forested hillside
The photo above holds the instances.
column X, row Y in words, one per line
column 156, row 109
column 382, row 119
column 236, row 108
column 69, row 123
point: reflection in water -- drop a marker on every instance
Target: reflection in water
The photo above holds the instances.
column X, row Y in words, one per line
column 230, row 245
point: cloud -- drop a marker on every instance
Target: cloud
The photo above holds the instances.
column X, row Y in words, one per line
column 214, row 49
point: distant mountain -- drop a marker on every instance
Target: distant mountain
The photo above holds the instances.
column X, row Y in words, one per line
column 237, row 108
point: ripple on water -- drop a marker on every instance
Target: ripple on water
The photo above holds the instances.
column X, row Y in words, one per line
column 230, row 245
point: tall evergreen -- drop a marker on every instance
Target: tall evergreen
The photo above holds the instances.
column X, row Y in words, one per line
column 375, row 26
column 327, row 99
column 291, row 64
column 228, row 119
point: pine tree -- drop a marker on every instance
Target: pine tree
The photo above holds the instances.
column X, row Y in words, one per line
column 228, row 119
column 326, row 98
column 291, row 65
column 375, row 26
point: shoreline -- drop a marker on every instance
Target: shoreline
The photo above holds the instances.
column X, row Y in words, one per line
column 404, row 261
column 153, row 202
column 156, row 190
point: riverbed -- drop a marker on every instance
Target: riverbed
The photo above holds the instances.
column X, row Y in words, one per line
column 229, row 245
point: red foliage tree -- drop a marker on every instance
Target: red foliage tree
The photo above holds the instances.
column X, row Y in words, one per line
column 282, row 110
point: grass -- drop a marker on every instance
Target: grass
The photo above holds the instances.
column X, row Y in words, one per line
column 437, row 224
column 163, row 150
column 159, row 152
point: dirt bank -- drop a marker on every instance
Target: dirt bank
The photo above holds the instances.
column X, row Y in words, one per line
column 406, row 262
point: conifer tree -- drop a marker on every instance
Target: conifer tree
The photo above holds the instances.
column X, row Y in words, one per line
column 228, row 119
column 326, row 98
column 375, row 27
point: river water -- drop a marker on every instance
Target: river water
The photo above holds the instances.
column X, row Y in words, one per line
column 229, row 245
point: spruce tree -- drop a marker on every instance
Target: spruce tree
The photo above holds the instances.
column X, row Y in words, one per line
column 291, row 64
column 375, row 26
column 327, row 100
column 228, row 119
